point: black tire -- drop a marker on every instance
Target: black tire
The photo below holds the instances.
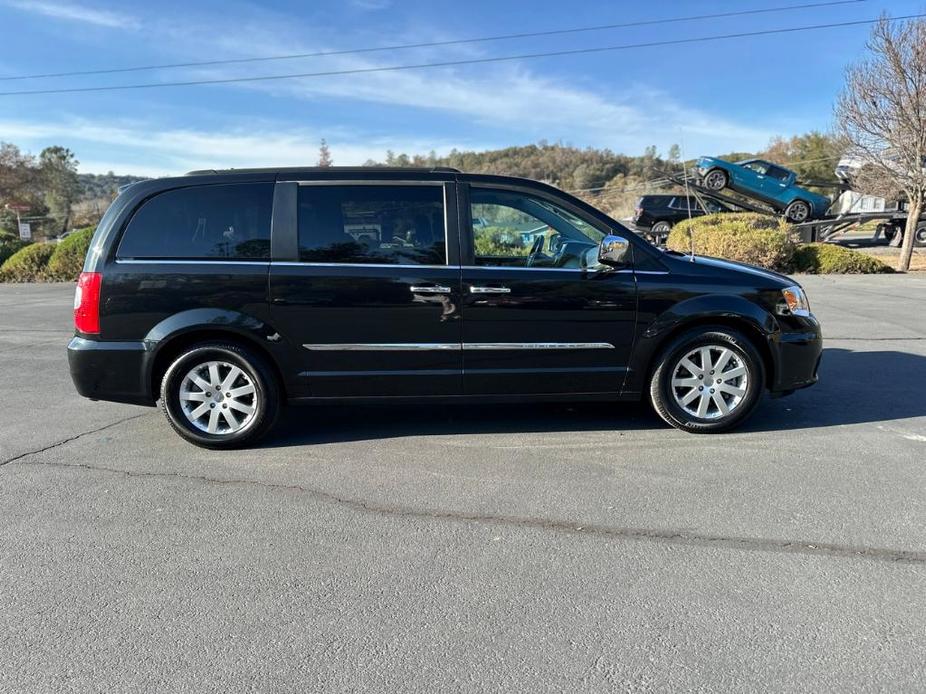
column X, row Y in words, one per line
column 661, row 228
column 919, row 240
column 888, row 231
column 256, row 373
column 663, row 394
column 716, row 180
column 798, row 211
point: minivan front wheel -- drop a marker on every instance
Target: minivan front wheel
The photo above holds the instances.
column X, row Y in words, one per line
column 220, row 395
column 707, row 381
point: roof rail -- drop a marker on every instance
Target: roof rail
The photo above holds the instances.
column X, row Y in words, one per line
column 325, row 169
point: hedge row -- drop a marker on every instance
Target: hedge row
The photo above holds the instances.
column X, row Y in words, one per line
column 31, row 262
column 768, row 243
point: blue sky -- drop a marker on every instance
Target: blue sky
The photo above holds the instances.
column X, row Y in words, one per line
column 710, row 97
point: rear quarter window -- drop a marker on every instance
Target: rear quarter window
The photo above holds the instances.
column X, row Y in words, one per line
column 202, row 222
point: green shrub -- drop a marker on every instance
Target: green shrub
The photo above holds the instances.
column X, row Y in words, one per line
column 744, row 237
column 27, row 264
column 827, row 258
column 68, row 259
column 499, row 242
column 9, row 245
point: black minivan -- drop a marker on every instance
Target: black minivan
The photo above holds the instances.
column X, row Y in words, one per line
column 225, row 294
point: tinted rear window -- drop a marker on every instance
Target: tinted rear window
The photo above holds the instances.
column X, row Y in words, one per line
column 203, row 222
column 372, row 224
column 652, row 201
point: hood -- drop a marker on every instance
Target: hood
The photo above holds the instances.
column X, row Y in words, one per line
column 774, row 278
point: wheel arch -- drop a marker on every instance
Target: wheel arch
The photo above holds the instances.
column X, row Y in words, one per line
column 744, row 317
column 171, row 337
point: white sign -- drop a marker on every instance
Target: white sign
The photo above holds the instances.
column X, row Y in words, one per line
column 25, row 231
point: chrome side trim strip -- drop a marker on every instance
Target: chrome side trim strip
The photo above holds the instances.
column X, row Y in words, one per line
column 536, row 345
column 449, row 346
column 383, row 346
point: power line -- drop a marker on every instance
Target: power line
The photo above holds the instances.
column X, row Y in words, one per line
column 449, row 63
column 431, row 44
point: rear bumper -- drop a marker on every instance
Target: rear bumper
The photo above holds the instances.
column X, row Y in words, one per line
column 110, row 370
column 797, row 357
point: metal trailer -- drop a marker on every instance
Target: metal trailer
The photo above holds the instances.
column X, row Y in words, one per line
column 890, row 228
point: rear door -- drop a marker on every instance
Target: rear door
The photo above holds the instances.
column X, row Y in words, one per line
column 368, row 292
column 539, row 315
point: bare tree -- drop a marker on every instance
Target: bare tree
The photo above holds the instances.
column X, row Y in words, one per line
column 881, row 115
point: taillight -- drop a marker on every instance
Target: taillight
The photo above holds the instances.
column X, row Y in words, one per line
column 87, row 303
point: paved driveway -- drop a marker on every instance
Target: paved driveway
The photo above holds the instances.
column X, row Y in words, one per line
column 553, row 548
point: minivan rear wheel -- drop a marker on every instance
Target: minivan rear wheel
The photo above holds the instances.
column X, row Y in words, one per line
column 707, row 381
column 220, row 395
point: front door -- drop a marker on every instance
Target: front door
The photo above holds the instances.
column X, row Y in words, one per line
column 540, row 315
column 371, row 302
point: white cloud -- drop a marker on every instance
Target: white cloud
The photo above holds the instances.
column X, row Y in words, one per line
column 144, row 149
column 501, row 98
column 74, row 12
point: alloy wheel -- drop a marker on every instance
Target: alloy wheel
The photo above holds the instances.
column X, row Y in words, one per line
column 218, row 397
column 715, row 180
column 710, row 382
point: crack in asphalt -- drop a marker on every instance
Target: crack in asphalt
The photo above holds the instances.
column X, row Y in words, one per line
column 62, row 442
column 667, row 536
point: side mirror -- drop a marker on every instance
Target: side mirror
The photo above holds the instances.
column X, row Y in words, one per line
column 614, row 250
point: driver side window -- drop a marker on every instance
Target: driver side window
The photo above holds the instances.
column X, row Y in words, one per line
column 517, row 230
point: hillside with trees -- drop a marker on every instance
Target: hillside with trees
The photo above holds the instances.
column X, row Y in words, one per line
column 57, row 198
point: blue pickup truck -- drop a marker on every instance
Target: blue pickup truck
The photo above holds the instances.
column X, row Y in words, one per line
column 772, row 184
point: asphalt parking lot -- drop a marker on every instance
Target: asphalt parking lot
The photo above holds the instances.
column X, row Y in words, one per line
column 535, row 548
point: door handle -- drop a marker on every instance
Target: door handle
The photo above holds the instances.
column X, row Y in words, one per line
column 489, row 290
column 437, row 289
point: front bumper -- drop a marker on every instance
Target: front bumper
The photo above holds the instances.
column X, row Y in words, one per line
column 797, row 354
column 114, row 371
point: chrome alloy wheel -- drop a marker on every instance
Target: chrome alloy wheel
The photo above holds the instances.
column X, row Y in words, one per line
column 799, row 212
column 218, row 397
column 716, row 180
column 710, row 382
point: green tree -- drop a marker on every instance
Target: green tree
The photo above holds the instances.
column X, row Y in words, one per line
column 813, row 156
column 58, row 173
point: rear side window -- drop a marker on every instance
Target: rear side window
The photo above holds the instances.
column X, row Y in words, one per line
column 651, row 202
column 203, row 222
column 776, row 172
column 684, row 204
column 392, row 225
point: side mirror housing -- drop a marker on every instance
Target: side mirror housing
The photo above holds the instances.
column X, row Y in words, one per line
column 614, row 250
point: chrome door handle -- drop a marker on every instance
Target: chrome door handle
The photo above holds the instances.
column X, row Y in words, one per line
column 489, row 290
column 437, row 289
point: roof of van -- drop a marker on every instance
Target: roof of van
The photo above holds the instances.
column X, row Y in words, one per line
column 326, row 169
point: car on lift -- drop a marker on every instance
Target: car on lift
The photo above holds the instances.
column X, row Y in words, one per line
column 770, row 183
column 655, row 215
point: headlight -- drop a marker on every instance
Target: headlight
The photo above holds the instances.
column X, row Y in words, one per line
column 794, row 302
